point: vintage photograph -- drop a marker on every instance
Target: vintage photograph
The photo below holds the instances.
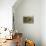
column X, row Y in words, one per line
column 28, row 19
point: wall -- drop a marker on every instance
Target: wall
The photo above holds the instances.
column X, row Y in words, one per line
column 6, row 13
column 6, row 18
column 43, row 22
column 29, row 8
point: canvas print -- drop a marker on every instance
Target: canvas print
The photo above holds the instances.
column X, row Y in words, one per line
column 28, row 19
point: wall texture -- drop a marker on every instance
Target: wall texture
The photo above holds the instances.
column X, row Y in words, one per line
column 28, row 8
